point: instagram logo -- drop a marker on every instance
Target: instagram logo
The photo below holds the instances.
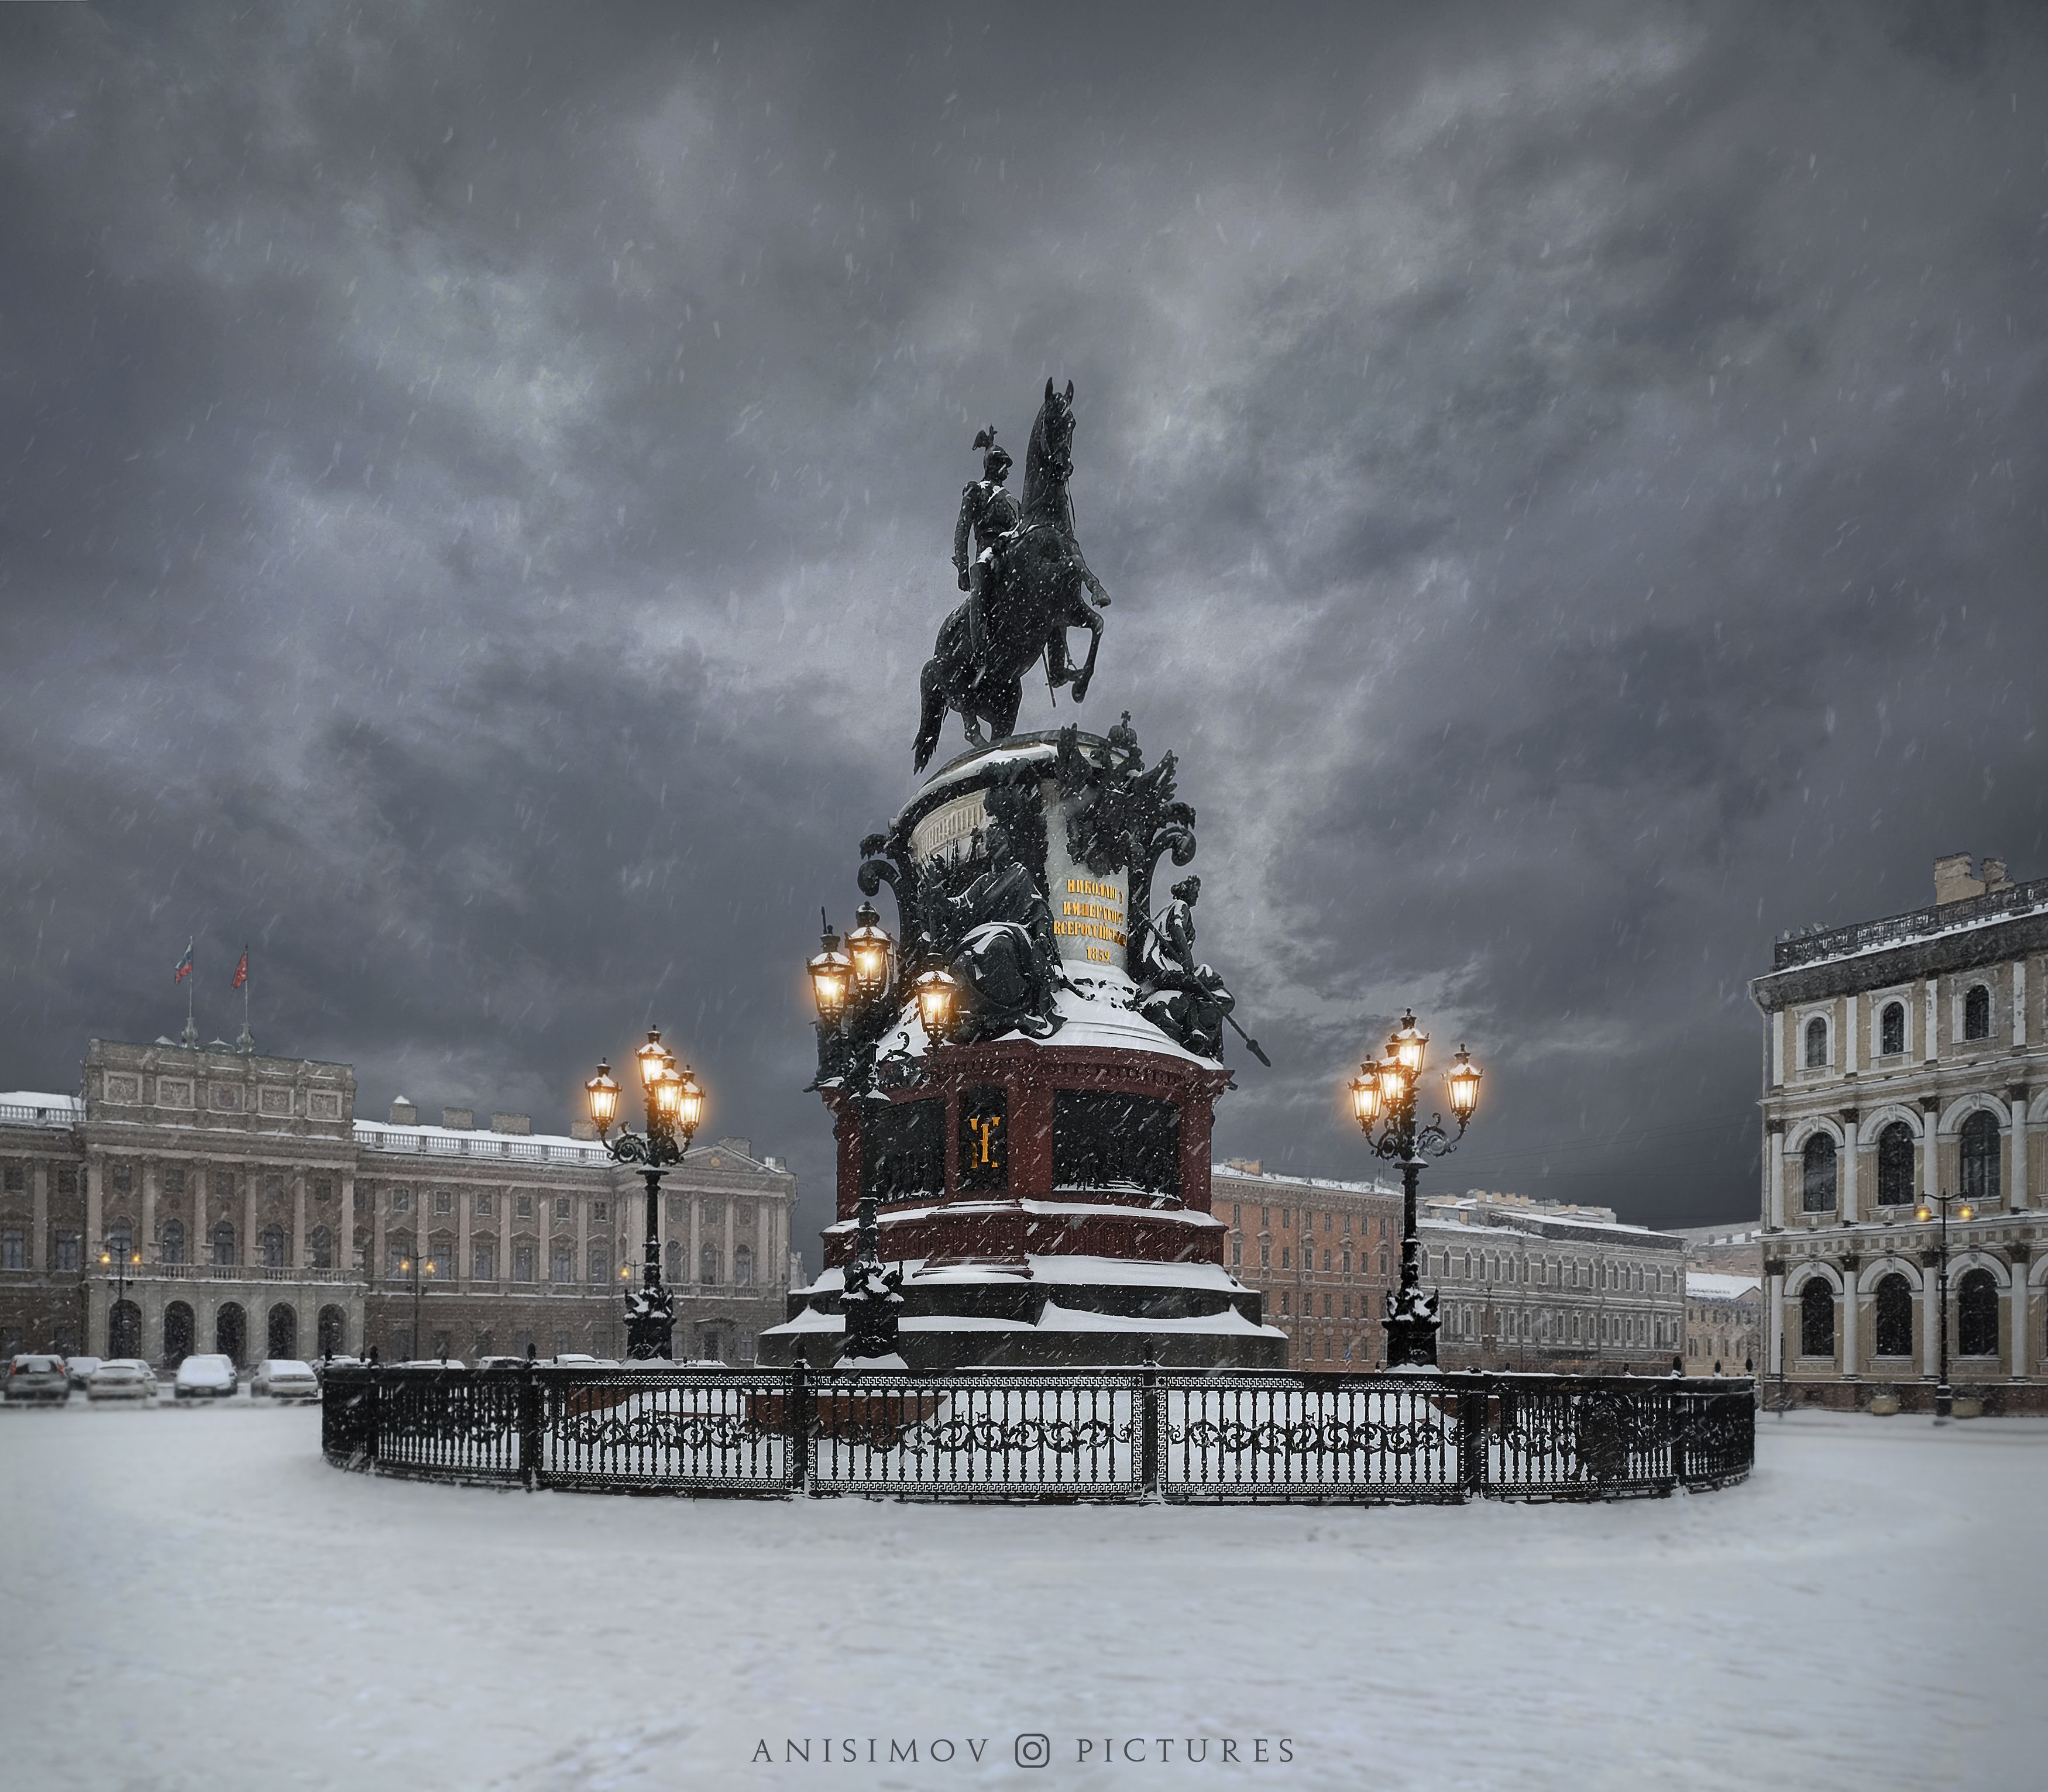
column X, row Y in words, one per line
column 1034, row 1750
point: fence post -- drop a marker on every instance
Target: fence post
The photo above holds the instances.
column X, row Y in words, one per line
column 796, row 1416
column 530, row 1427
column 1471, row 1436
column 1148, row 1425
column 373, row 1399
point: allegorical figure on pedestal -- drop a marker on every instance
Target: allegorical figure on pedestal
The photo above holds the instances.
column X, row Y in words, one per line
column 1186, row 999
column 1003, row 947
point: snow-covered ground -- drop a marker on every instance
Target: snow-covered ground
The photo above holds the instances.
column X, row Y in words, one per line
column 193, row 1599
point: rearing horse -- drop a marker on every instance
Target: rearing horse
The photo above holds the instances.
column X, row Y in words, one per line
column 1038, row 588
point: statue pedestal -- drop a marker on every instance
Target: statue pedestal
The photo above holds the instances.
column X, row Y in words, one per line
column 1047, row 1197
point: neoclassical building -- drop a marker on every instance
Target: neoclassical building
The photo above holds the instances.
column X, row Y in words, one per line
column 1903, row 1060
column 204, row 1198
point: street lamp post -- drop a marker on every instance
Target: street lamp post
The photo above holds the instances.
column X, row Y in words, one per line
column 1383, row 1100
column 675, row 1109
column 1944, row 1394
column 119, row 1262
column 419, row 1266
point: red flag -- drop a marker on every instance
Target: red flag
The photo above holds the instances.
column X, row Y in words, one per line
column 241, row 971
column 185, row 966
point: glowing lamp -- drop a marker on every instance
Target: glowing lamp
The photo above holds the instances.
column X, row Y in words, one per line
column 602, row 1093
column 655, row 1061
column 667, row 1092
column 689, row 1103
column 1406, row 1045
column 1393, row 1081
column 1966, row 1212
column 832, row 979
column 1923, row 1213
column 870, row 950
column 936, row 992
column 1365, row 1095
column 1464, row 1081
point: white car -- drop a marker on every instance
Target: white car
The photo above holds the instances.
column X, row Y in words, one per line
column 205, row 1378
column 79, row 1369
column 121, row 1377
column 34, row 1376
column 283, row 1379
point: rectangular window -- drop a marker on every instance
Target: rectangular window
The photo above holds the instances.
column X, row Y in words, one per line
column 1286, row 1254
column 223, row 1184
column 1265, row 1219
column 485, row 1207
column 273, row 1186
column 174, row 1180
column 522, row 1207
column 1266, row 1256
column 402, row 1200
column 1347, row 1262
column 522, row 1262
column 483, row 1260
column 1283, row 1306
column 561, row 1263
column 65, row 1256
column 600, row 1211
column 443, row 1200
column 66, row 1181
column 561, row 1206
column 1236, row 1250
column 1236, row 1215
column 13, row 1248
column 323, row 1188
column 16, row 1182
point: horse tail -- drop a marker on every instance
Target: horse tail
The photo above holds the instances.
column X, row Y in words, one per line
column 933, row 716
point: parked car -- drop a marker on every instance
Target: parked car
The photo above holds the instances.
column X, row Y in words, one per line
column 31, row 1377
column 574, row 1360
column 283, row 1379
column 79, row 1369
column 205, row 1378
column 432, row 1363
column 121, row 1377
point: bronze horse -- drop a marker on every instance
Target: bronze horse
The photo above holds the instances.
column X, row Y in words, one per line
column 1038, row 588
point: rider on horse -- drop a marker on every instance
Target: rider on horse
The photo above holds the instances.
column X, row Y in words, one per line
column 988, row 511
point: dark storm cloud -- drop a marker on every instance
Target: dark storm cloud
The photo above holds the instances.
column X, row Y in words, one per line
column 475, row 491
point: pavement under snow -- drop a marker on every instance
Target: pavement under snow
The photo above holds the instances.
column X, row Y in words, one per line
column 192, row 1598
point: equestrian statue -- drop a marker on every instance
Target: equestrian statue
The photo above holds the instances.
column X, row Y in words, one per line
column 1026, row 582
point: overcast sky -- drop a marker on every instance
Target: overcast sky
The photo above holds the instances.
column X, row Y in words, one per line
column 476, row 487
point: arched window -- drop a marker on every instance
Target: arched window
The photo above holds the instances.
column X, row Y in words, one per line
column 172, row 1251
column 672, row 1262
column 1817, row 1319
column 223, row 1246
column 1891, row 1030
column 1980, row 1158
column 742, row 1269
column 1976, row 1315
column 274, row 1252
column 1817, row 1044
column 1818, row 1174
column 1976, row 1012
column 321, row 1241
column 600, row 1263
column 1894, row 1316
column 121, row 1247
column 708, row 1263
column 1895, row 1165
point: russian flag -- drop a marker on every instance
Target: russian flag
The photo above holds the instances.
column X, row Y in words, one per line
column 241, row 971
column 184, row 965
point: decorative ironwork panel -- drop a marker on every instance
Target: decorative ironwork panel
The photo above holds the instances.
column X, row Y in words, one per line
column 1105, row 1140
column 450, row 1423
column 664, row 1430
column 903, row 1148
column 1310, row 1437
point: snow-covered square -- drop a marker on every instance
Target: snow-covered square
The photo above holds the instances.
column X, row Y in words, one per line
column 195, row 1599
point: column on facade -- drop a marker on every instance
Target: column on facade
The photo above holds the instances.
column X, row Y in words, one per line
column 301, row 1257
column 1850, row 1365
column 1774, row 1154
column 378, row 1199
column 1930, row 1149
column 465, row 1203
column 697, row 1238
column 1777, row 1049
column 1930, row 1322
column 251, row 1174
column 95, row 1228
column 764, row 1262
column 1850, row 1152
column 2016, row 1185
column 39, row 1209
column 344, row 1228
column 725, row 1268
column 147, row 1241
column 582, row 1199
column 1931, row 1033
column 1774, row 1285
column 1849, row 1037
column 2019, row 1003
column 2019, row 1326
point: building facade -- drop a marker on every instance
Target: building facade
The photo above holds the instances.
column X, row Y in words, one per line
column 206, row 1198
column 1724, row 1323
column 1903, row 1060
column 1551, row 1287
column 1522, row 1284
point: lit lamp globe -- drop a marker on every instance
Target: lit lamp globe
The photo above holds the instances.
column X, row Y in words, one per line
column 668, row 1091
column 689, row 1103
column 831, row 978
column 1365, row 1102
column 1393, row 1081
column 870, row 950
column 655, row 1061
column 1464, row 1084
column 601, row 1092
column 936, row 992
column 1406, row 1045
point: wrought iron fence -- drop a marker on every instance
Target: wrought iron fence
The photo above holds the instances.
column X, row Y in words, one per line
column 1096, row 1434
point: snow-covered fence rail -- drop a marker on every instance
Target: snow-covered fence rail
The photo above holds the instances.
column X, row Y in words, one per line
column 1140, row 1433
